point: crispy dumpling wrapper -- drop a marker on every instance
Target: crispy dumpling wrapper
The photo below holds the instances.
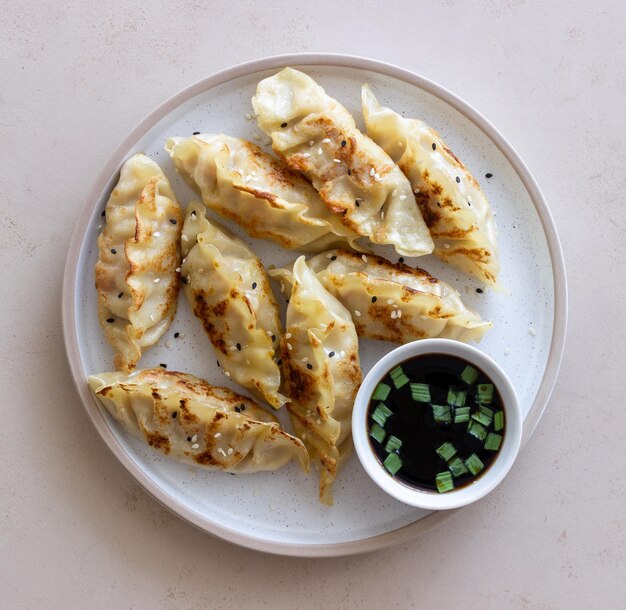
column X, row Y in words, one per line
column 190, row 420
column 230, row 294
column 356, row 179
column 395, row 302
column 453, row 205
column 139, row 252
column 239, row 181
column 322, row 371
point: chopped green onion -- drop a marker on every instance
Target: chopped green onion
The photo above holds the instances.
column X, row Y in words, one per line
column 393, row 444
column 456, row 398
column 469, row 375
column 461, row 415
column 381, row 414
column 457, row 467
column 442, row 414
column 400, row 381
column 444, row 482
column 477, row 430
column 484, row 393
column 483, row 416
column 420, row 392
column 381, row 392
column 378, row 433
column 393, row 463
column 446, row 451
column 493, row 442
column 498, row 421
column 474, row 465
column 396, row 372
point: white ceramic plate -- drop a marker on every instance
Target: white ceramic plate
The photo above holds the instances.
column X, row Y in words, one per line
column 279, row 512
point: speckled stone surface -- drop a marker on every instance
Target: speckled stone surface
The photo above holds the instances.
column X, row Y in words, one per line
column 76, row 531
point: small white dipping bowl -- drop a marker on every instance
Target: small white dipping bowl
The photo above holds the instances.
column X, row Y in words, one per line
column 424, row 498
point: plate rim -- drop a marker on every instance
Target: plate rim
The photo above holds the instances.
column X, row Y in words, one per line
column 70, row 277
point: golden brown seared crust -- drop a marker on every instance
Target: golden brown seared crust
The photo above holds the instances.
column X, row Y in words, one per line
column 478, row 255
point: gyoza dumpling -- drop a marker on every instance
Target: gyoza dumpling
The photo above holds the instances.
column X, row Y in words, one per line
column 242, row 183
column 230, row 293
column 395, row 302
column 136, row 275
column 356, row 179
column 190, row 420
column 322, row 371
column 455, row 209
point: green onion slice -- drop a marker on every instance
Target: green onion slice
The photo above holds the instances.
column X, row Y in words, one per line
column 474, row 465
column 498, row 421
column 378, row 433
column 393, row 444
column 442, row 414
column 483, row 416
column 444, row 482
column 461, row 415
column 457, row 467
column 381, row 392
column 456, row 398
column 400, row 381
column 477, row 430
column 493, row 442
column 446, row 451
column 393, row 463
column 420, row 392
column 381, row 414
column 484, row 393
column 469, row 375
column 393, row 373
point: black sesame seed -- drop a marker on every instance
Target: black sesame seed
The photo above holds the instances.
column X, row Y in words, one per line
column 349, row 172
column 333, row 258
column 273, row 337
column 189, row 439
column 113, row 251
column 401, row 259
column 243, row 407
column 357, row 203
column 183, row 280
column 218, row 363
column 458, row 179
column 176, row 335
column 193, row 214
column 286, row 300
column 438, row 205
column 173, row 221
column 254, row 285
column 238, row 409
column 309, row 366
column 103, row 213
column 175, row 415
column 343, row 143
column 488, row 175
column 469, row 204
column 283, row 125
column 196, row 133
column 279, row 362
column 374, row 299
column 110, row 320
column 120, row 295
column 331, row 354
column 164, row 366
column 434, row 146
column 479, row 290
column 239, row 346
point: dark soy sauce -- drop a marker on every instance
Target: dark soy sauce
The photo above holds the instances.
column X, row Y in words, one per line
column 413, row 423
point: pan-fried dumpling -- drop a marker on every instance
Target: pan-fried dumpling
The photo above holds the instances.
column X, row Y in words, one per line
column 322, row 372
column 395, row 302
column 190, row 420
column 357, row 180
column 136, row 275
column 454, row 207
column 230, row 293
column 239, row 181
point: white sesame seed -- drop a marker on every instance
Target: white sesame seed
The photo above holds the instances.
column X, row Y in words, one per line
column 248, row 178
column 183, row 261
column 268, row 141
column 393, row 313
column 157, row 280
column 227, row 373
column 337, row 160
column 357, row 313
column 305, row 359
column 399, row 312
column 326, row 141
column 416, row 191
column 423, row 317
column 217, row 435
column 248, row 116
column 232, row 348
column 288, row 336
column 532, row 331
column 152, row 317
column 220, row 450
column 188, row 278
column 382, row 215
column 269, row 333
column 230, row 451
column 177, row 269
column 200, row 270
column 282, row 286
column 256, row 136
column 402, row 197
column 394, row 192
column 390, row 301
column 446, row 246
column 289, row 346
column 156, row 234
column 376, row 177
column 99, row 226
column 306, row 155
column 372, row 171
column 364, row 258
column 319, row 421
column 319, row 151
column 184, row 237
column 195, row 446
column 311, row 142
column 303, row 435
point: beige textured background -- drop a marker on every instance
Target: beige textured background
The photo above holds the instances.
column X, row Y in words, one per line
column 76, row 531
